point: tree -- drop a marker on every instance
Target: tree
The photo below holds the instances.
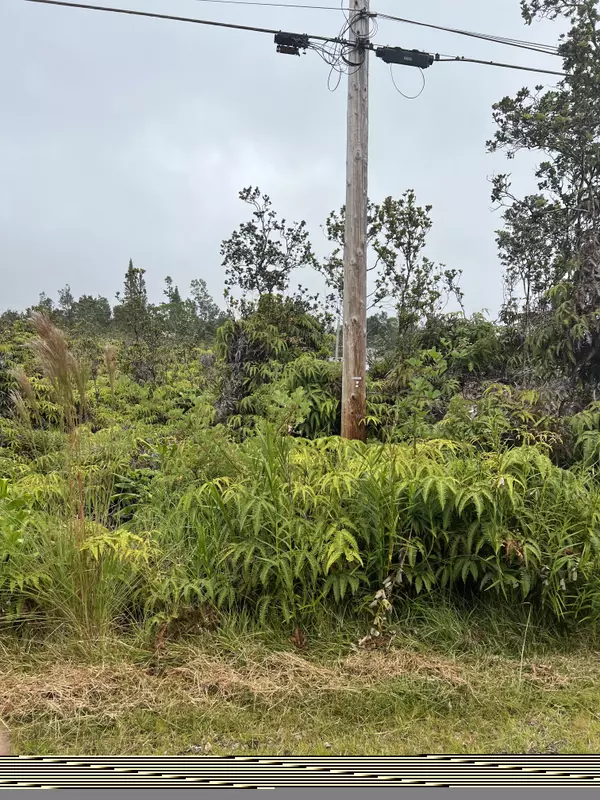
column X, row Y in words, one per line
column 261, row 254
column 8, row 318
column 208, row 313
column 191, row 321
column 131, row 315
column 527, row 250
column 92, row 315
column 141, row 326
column 178, row 315
column 399, row 272
column 171, row 292
column 65, row 304
column 563, row 126
column 90, row 318
column 45, row 305
column 255, row 347
column 382, row 335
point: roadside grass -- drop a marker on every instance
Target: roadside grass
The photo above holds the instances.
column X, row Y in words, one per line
column 447, row 680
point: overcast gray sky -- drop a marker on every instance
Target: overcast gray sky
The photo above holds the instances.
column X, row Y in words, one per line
column 128, row 137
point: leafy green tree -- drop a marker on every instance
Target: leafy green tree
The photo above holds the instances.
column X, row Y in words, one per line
column 261, row 254
column 471, row 345
column 527, row 250
column 192, row 321
column 254, row 348
column 563, row 126
column 66, row 302
column 399, row 273
column 9, row 318
column 178, row 315
column 171, row 291
column 92, row 315
column 382, row 335
column 90, row 319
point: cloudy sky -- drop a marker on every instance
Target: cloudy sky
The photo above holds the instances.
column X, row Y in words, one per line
column 129, row 137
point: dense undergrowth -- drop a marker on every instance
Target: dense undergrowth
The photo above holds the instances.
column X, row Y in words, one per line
column 126, row 506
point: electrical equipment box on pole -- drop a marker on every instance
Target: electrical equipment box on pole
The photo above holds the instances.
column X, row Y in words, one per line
column 291, row 43
column 410, row 58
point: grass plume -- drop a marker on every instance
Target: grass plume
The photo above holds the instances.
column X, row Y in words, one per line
column 59, row 366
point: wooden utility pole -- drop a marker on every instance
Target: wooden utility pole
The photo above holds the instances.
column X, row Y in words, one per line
column 354, row 394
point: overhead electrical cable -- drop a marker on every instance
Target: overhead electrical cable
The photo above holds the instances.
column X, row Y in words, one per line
column 334, row 52
column 534, row 46
column 463, row 59
column 212, row 23
column 272, row 5
column 525, row 45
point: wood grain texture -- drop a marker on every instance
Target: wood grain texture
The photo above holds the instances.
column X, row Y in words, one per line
column 354, row 394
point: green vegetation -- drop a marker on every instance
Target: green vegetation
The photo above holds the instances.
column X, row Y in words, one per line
column 182, row 529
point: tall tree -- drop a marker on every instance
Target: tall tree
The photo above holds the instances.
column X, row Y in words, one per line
column 141, row 326
column 527, row 250
column 45, row 305
column 90, row 318
column 562, row 125
column 131, row 315
column 65, row 304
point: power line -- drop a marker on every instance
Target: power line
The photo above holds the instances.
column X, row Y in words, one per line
column 525, row 45
column 534, row 46
column 498, row 64
column 272, row 5
column 335, row 54
column 212, row 23
column 338, row 54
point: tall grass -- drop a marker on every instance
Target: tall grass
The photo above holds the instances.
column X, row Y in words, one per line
column 60, row 367
column 110, row 362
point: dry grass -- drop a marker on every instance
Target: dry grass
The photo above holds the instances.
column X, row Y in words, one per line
column 66, row 689
column 109, row 690
column 240, row 694
column 5, row 749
